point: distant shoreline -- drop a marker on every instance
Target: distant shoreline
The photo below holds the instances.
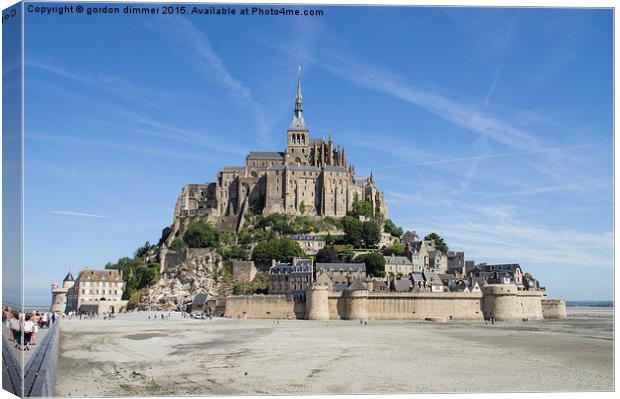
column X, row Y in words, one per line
column 590, row 304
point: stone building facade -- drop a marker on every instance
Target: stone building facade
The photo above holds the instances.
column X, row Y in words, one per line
column 339, row 276
column 291, row 279
column 398, row 265
column 310, row 243
column 98, row 291
column 312, row 176
column 63, row 295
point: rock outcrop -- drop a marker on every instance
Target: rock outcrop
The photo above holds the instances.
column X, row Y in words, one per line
column 178, row 285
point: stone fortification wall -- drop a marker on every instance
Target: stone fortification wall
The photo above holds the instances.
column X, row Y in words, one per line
column 317, row 303
column 423, row 305
column 404, row 306
column 171, row 259
column 554, row 309
column 264, row 307
column 504, row 302
column 336, row 305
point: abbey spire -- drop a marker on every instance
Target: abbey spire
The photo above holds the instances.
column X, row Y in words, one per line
column 298, row 123
column 299, row 108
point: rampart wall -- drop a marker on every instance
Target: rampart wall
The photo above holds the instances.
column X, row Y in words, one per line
column 554, row 309
column 264, row 307
column 420, row 306
column 504, row 302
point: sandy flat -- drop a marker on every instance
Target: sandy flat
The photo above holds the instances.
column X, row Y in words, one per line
column 135, row 356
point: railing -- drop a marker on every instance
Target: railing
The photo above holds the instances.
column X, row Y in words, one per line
column 40, row 370
column 11, row 370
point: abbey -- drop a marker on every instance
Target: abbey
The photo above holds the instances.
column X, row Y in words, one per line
column 310, row 177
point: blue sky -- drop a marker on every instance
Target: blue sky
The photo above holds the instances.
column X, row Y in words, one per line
column 492, row 127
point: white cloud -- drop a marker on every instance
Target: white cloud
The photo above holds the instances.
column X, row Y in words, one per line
column 117, row 86
column 200, row 54
column 79, row 214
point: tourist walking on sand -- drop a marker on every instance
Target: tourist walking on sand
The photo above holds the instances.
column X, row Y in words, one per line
column 16, row 330
column 29, row 327
column 35, row 330
column 7, row 322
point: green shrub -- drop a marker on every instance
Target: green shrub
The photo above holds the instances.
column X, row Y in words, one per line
column 282, row 250
column 200, row 234
column 392, row 229
column 375, row 263
column 177, row 245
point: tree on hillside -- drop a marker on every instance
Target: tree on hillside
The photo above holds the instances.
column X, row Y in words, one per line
column 375, row 263
column 143, row 250
column 327, row 255
column 200, row 234
column 345, row 252
column 371, row 234
column 282, row 250
column 234, row 252
column 361, row 208
column 353, row 231
column 361, row 234
column 177, row 245
column 276, row 221
column 397, row 249
column 439, row 242
column 392, row 229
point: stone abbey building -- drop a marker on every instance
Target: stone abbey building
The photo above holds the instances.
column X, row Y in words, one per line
column 310, row 177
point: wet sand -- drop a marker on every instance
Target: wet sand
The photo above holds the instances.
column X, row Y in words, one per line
column 135, row 356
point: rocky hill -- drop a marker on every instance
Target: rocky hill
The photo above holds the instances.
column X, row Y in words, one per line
column 178, row 285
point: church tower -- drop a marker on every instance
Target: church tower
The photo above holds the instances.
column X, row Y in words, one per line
column 298, row 147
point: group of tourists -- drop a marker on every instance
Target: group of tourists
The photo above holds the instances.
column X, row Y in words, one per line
column 74, row 314
column 23, row 326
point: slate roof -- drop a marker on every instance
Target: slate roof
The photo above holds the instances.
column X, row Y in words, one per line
column 233, row 168
column 449, row 277
column 402, row 285
column 302, row 266
column 432, row 278
column 266, row 155
column 397, row 260
column 334, row 267
column 200, row 299
column 509, row 268
column 304, row 168
column 304, row 263
column 480, row 280
column 379, row 283
column 357, row 285
column 110, row 275
column 415, row 246
column 417, row 277
column 306, row 237
column 298, row 123
column 69, row 277
column 332, row 168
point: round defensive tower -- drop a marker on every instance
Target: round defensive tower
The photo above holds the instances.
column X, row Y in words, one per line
column 554, row 309
column 317, row 302
column 356, row 301
column 500, row 301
